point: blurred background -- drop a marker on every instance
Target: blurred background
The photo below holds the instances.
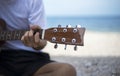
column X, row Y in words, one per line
column 100, row 55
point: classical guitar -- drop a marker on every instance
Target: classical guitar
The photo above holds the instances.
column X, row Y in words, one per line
column 62, row 35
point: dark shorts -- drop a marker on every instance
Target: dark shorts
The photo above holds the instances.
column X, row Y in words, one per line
column 21, row 63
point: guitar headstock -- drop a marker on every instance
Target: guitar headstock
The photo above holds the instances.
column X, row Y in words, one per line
column 65, row 35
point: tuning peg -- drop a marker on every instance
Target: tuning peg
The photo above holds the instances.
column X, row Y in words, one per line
column 69, row 26
column 59, row 26
column 75, row 48
column 55, row 46
column 78, row 26
column 65, row 46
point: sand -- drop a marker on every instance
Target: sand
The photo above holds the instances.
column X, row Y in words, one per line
column 92, row 66
column 95, row 44
column 100, row 55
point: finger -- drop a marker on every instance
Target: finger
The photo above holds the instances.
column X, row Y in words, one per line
column 37, row 38
column 31, row 37
column 25, row 39
column 22, row 39
column 35, row 27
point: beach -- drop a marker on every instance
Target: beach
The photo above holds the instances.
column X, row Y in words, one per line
column 100, row 55
column 95, row 44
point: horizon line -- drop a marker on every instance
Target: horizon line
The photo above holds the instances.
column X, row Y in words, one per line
column 113, row 16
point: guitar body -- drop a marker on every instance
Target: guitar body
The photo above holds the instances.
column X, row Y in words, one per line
column 2, row 27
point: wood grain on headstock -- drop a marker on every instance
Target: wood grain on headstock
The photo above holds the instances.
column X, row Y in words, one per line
column 71, row 36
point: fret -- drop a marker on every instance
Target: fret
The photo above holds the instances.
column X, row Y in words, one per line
column 14, row 35
column 11, row 35
column 5, row 35
column 8, row 35
column 2, row 35
column 18, row 34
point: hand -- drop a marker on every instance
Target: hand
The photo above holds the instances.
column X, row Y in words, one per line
column 33, row 41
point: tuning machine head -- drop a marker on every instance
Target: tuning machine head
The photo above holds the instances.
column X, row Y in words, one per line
column 59, row 26
column 65, row 46
column 56, row 46
column 75, row 48
column 68, row 26
column 78, row 26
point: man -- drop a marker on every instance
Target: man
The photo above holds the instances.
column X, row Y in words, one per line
column 25, row 57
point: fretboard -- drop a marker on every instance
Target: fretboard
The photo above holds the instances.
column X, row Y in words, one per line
column 13, row 35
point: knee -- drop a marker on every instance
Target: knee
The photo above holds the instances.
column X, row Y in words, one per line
column 69, row 70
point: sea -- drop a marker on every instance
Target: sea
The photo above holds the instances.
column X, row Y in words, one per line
column 100, row 24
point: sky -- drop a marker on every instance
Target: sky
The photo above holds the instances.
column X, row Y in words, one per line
column 82, row 7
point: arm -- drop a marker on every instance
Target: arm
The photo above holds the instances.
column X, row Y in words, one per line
column 36, row 16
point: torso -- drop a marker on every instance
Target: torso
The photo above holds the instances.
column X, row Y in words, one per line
column 16, row 14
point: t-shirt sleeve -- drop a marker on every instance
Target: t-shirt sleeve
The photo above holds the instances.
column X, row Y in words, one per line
column 37, row 13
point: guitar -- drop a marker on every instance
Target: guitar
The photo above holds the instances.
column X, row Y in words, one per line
column 62, row 35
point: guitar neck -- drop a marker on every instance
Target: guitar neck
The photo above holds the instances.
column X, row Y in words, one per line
column 15, row 35
column 71, row 36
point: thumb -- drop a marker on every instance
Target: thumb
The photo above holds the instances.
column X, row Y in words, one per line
column 35, row 27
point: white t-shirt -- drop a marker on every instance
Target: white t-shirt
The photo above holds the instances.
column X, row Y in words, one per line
column 21, row 14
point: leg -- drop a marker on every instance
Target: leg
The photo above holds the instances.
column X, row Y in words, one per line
column 56, row 69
